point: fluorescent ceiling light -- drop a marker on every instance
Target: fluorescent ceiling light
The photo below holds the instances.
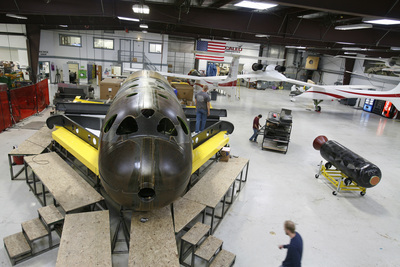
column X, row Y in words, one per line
column 354, row 48
column 63, row 26
column 353, row 27
column 16, row 16
column 350, row 53
column 226, row 38
column 313, row 15
column 345, row 43
column 262, row 35
column 130, row 19
column 141, row 9
column 395, row 48
column 255, row 5
column 295, row 47
column 143, row 26
column 384, row 21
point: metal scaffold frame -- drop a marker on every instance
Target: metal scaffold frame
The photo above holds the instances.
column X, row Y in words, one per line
column 338, row 179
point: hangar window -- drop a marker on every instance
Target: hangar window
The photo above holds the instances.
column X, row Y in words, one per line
column 109, row 123
column 183, row 124
column 159, row 86
column 102, row 43
column 165, row 126
column 155, row 48
column 127, row 126
column 134, row 85
column 70, row 40
column 147, row 113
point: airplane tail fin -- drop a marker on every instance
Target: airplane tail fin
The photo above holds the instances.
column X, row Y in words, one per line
column 234, row 68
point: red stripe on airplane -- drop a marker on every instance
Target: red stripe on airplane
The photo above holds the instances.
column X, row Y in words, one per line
column 199, row 84
column 232, row 83
column 371, row 95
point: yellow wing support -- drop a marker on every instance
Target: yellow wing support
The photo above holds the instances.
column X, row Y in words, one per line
column 81, row 150
column 89, row 155
column 209, row 148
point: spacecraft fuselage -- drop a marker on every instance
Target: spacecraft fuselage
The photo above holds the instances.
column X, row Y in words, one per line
column 363, row 172
column 145, row 152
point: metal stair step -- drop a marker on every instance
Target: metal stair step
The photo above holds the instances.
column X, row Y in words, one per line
column 209, row 247
column 50, row 214
column 223, row 259
column 196, row 233
column 16, row 245
column 34, row 229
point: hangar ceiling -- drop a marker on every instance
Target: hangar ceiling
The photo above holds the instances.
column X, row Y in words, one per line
column 306, row 23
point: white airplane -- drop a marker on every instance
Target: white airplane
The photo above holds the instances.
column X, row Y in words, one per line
column 392, row 63
column 317, row 93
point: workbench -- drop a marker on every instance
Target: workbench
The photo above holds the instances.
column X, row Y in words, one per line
column 34, row 145
column 66, row 186
column 215, row 185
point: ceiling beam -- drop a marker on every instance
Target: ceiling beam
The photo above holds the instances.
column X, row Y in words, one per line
column 219, row 3
column 166, row 18
column 386, row 8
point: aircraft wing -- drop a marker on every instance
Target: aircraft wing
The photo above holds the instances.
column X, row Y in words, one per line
column 188, row 77
column 240, row 56
column 191, row 77
column 366, row 58
column 391, row 69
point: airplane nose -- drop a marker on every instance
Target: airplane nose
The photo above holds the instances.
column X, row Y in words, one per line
column 144, row 173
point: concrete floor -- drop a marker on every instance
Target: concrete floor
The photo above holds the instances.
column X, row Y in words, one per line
column 342, row 230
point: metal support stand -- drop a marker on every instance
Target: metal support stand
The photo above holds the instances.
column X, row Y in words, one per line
column 125, row 231
column 338, row 179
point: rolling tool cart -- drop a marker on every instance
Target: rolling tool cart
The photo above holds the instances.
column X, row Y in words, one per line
column 276, row 132
column 338, row 179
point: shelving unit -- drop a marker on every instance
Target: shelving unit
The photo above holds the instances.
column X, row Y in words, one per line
column 277, row 131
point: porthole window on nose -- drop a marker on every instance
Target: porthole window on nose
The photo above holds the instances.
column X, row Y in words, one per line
column 127, row 126
column 183, row 124
column 165, row 126
column 147, row 112
column 109, row 123
column 133, row 94
column 163, row 96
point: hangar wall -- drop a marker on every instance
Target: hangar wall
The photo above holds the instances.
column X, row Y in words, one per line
column 180, row 55
column 13, row 47
column 59, row 55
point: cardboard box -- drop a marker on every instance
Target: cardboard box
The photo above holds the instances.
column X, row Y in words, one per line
column 109, row 88
column 185, row 91
column 225, row 154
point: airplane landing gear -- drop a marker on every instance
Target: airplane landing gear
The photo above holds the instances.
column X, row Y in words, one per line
column 317, row 108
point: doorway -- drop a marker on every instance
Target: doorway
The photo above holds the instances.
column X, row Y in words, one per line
column 73, row 70
column 44, row 70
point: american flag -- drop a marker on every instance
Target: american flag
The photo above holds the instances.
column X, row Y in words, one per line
column 210, row 46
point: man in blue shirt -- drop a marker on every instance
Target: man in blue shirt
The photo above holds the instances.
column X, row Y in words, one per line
column 202, row 100
column 295, row 248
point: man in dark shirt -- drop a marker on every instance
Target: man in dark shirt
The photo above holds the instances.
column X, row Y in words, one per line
column 256, row 127
column 202, row 100
column 295, row 248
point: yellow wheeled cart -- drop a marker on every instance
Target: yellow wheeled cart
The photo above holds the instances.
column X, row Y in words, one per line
column 338, row 179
